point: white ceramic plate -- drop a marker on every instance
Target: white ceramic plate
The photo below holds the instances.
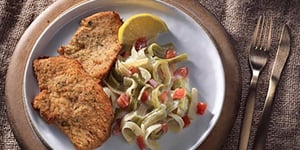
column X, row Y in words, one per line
column 206, row 69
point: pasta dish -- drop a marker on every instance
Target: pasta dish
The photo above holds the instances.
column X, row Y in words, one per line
column 150, row 93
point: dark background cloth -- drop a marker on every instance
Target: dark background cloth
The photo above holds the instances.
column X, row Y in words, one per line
column 239, row 19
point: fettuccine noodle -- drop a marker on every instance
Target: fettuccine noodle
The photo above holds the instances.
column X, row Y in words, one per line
column 147, row 79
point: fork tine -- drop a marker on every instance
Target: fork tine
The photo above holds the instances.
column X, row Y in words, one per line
column 266, row 37
column 256, row 31
column 270, row 34
column 264, row 34
column 260, row 40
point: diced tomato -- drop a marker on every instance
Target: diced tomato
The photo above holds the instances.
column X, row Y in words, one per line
column 201, row 107
column 133, row 69
column 170, row 53
column 140, row 43
column 179, row 93
column 145, row 96
column 140, row 142
column 164, row 127
column 123, row 100
column 117, row 127
column 163, row 96
column 186, row 120
column 182, row 71
column 152, row 82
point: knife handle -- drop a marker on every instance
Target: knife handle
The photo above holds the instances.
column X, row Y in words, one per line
column 261, row 133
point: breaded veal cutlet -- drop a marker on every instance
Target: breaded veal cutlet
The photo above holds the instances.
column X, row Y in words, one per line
column 95, row 44
column 72, row 100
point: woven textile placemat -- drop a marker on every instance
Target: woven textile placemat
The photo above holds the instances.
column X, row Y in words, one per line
column 239, row 19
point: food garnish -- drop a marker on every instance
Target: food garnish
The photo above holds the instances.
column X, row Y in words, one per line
column 141, row 27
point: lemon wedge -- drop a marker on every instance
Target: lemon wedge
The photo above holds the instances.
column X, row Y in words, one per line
column 141, row 25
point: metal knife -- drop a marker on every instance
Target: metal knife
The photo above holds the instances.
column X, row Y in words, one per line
column 280, row 60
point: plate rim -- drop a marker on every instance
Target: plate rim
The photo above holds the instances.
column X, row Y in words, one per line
column 20, row 122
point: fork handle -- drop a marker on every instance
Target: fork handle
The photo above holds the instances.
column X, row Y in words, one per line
column 247, row 121
column 261, row 133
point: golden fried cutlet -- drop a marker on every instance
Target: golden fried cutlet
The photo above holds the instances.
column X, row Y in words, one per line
column 95, row 44
column 73, row 100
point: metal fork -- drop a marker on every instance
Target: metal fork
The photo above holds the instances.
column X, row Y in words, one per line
column 258, row 56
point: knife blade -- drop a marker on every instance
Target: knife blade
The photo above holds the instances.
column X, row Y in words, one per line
column 280, row 60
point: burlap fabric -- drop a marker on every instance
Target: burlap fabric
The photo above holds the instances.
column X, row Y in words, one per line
column 238, row 18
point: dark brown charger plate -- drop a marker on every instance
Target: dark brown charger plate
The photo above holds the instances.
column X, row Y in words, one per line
column 20, row 122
